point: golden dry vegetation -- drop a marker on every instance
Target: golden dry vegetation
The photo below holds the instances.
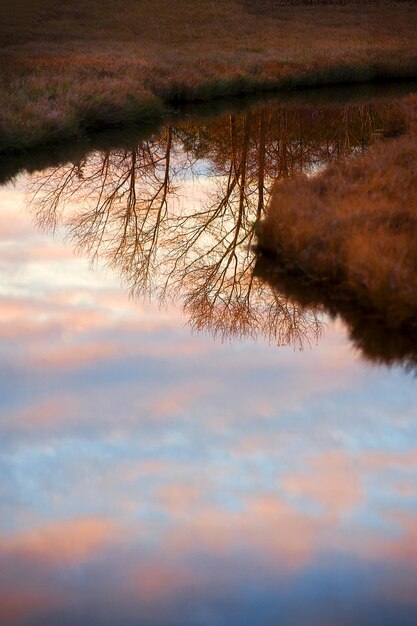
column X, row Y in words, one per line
column 67, row 67
column 353, row 227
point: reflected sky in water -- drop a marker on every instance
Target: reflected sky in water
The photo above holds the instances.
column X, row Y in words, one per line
column 151, row 473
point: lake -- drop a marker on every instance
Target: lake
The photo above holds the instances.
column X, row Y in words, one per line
column 183, row 442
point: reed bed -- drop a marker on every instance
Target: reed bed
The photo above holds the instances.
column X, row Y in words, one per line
column 66, row 68
column 353, row 227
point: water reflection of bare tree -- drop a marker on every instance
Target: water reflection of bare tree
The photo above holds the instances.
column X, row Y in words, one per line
column 120, row 201
column 126, row 207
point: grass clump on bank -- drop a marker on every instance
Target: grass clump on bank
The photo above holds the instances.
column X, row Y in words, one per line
column 353, row 227
column 68, row 67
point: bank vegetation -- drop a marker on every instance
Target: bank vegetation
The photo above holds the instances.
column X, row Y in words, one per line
column 352, row 228
column 69, row 67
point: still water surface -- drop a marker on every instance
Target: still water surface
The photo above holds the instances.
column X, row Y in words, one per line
column 181, row 442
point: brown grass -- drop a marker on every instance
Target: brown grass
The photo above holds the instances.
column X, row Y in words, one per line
column 354, row 227
column 69, row 66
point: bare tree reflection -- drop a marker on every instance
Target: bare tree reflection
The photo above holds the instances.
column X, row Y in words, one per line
column 176, row 215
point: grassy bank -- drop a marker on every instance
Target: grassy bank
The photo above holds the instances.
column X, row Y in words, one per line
column 352, row 229
column 70, row 67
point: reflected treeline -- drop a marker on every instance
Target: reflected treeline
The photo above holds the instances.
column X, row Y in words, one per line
column 176, row 214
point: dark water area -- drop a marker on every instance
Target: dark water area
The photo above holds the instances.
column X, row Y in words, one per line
column 188, row 435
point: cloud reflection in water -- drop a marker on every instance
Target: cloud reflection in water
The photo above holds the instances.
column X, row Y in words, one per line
column 150, row 475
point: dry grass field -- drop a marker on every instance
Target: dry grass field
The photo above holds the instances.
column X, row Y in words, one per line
column 67, row 67
column 353, row 228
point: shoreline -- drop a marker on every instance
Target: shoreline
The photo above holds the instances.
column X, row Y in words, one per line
column 288, row 90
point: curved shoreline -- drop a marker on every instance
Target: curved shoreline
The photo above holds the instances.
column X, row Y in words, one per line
column 231, row 96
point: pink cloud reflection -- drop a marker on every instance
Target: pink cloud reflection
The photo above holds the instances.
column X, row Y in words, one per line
column 63, row 542
column 331, row 480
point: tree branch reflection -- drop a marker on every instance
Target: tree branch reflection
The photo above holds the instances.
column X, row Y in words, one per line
column 176, row 214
